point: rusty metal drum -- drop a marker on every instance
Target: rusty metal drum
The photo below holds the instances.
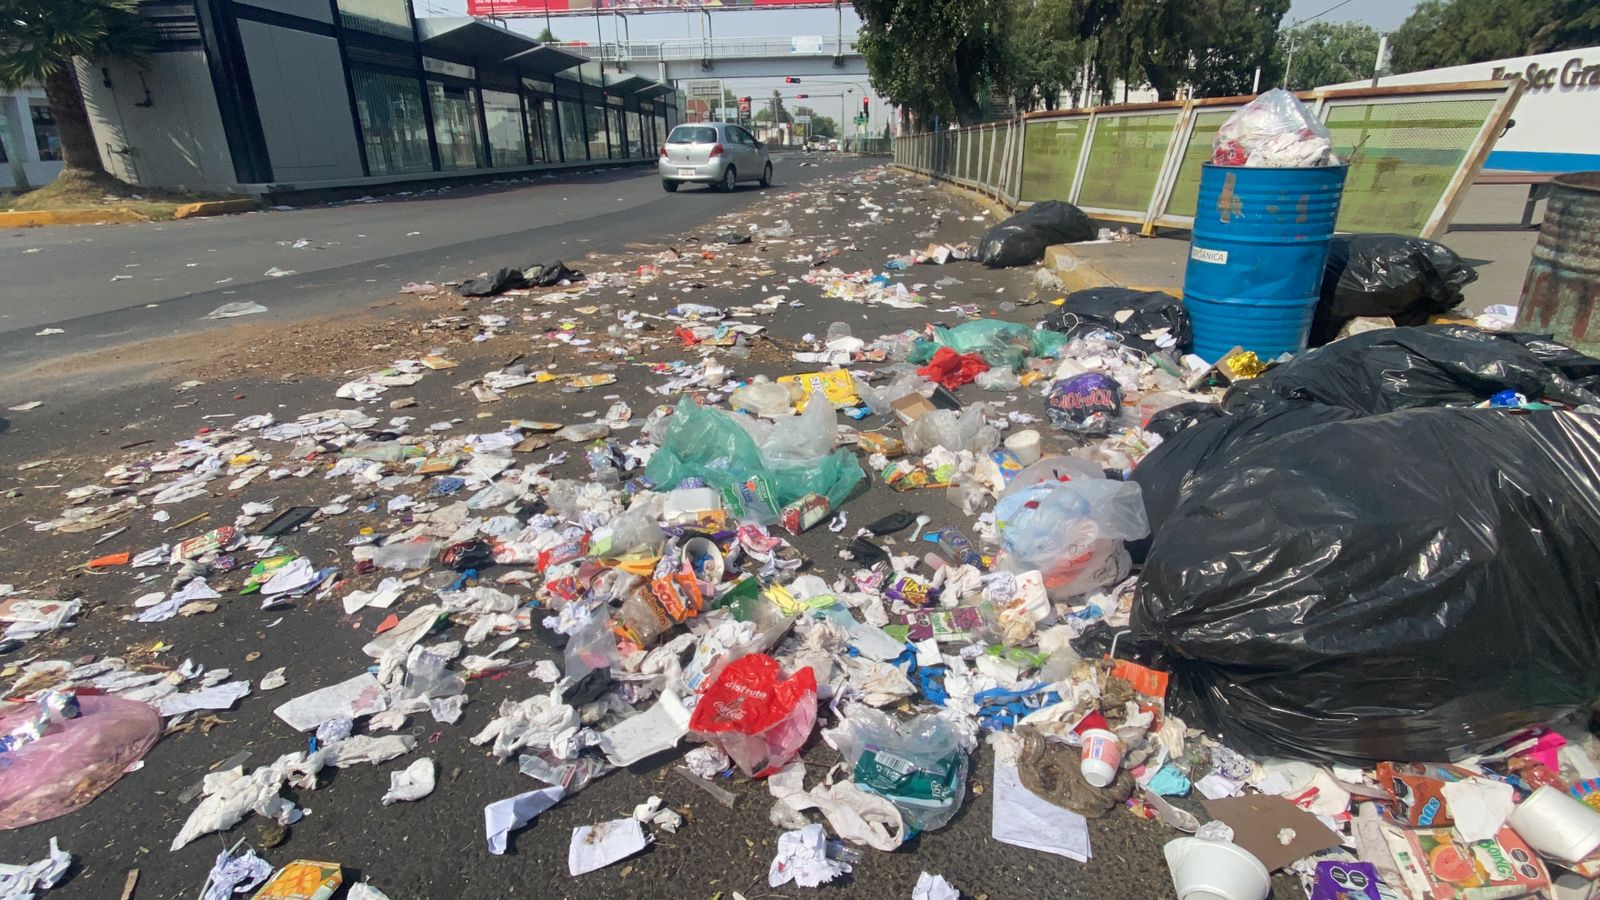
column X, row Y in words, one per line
column 1562, row 290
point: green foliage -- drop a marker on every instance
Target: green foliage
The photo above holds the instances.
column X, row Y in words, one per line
column 39, row 37
column 1457, row 32
column 1329, row 53
column 546, row 36
column 934, row 56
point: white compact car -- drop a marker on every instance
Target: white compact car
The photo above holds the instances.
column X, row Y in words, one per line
column 715, row 153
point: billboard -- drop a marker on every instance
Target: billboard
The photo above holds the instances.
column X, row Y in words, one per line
column 585, row 7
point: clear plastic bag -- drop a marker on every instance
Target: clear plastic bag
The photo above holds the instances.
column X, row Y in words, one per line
column 1063, row 517
column 1000, row 343
column 804, row 441
column 591, row 647
column 952, row 430
column 1275, row 130
column 758, row 718
column 918, row 765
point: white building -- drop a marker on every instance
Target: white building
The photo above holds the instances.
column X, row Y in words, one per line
column 27, row 139
column 1557, row 121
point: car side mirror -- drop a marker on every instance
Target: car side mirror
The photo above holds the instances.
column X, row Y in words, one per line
column 760, row 145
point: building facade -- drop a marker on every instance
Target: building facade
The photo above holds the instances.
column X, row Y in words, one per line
column 258, row 96
column 29, row 147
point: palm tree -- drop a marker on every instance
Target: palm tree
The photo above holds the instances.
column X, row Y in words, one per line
column 38, row 41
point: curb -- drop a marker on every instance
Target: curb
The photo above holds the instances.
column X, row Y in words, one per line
column 113, row 215
column 1075, row 272
column 215, row 208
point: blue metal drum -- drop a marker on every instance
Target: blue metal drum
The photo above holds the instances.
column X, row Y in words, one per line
column 1256, row 256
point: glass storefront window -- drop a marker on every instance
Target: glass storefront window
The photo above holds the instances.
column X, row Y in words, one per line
column 502, row 112
column 660, row 128
column 618, row 149
column 44, row 132
column 596, row 118
column 572, row 143
column 552, row 136
column 394, row 128
column 636, row 144
column 530, row 109
column 455, row 126
column 386, row 17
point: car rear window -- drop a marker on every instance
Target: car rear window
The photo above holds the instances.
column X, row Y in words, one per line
column 692, row 135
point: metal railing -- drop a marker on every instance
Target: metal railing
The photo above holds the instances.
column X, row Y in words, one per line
column 1412, row 150
column 718, row 48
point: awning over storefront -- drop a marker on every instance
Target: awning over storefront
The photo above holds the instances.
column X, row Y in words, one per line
column 464, row 37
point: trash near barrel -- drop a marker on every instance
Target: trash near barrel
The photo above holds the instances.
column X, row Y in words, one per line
column 1563, row 284
column 1256, row 257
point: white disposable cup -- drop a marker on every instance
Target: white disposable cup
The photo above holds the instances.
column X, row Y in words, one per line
column 1102, row 755
column 1025, row 444
column 1557, row 825
column 1215, row 870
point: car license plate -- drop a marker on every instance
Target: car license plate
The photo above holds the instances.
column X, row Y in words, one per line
column 686, row 173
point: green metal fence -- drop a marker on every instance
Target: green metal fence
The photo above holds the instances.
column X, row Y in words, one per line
column 1412, row 151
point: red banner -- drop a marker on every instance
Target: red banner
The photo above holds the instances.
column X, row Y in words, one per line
column 580, row 7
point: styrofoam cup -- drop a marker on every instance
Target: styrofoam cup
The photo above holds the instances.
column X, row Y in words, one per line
column 1557, row 825
column 1215, row 870
column 1025, row 444
column 1102, row 755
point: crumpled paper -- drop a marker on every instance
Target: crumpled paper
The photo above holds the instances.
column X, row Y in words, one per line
column 233, row 875
column 803, row 858
column 933, row 887
column 21, row 881
column 411, row 783
column 502, row 817
column 854, row 814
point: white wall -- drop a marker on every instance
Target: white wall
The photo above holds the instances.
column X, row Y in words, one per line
column 1558, row 118
column 16, row 119
column 305, row 109
column 177, row 140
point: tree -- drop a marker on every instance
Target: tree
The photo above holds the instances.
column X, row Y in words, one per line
column 40, row 38
column 821, row 126
column 1039, row 63
column 934, row 57
column 1442, row 33
column 1329, row 53
column 1235, row 37
column 546, row 36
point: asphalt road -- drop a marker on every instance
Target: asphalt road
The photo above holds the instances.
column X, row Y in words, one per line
column 435, row 848
column 103, row 284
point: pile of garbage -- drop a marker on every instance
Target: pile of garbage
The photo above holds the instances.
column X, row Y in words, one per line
column 1332, row 616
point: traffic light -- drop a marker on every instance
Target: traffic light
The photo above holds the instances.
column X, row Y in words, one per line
column 791, row 80
column 866, row 108
column 744, row 104
column 802, row 96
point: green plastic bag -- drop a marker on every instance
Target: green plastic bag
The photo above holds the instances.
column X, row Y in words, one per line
column 1000, row 343
column 709, row 444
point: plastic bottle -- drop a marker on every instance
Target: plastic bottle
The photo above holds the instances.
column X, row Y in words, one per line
column 1102, row 752
column 955, row 546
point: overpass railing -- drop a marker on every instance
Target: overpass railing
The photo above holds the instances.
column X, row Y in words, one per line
column 1412, row 150
column 718, row 48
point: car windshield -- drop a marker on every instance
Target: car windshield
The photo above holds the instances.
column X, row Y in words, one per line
column 692, row 135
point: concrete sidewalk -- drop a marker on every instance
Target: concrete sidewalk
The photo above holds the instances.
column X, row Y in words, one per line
column 1485, row 233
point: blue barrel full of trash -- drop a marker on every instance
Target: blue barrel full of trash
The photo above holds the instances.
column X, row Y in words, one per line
column 1259, row 245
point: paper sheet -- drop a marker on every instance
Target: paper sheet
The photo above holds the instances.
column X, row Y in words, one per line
column 1023, row 819
column 653, row 731
column 223, row 696
column 597, row 846
column 502, row 817
column 359, row 696
column 1478, row 806
column 802, row 857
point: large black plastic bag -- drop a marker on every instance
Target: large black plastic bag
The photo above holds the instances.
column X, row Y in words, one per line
column 1405, row 278
column 1426, row 365
column 1167, row 473
column 1127, row 313
column 1021, row 239
column 1393, row 587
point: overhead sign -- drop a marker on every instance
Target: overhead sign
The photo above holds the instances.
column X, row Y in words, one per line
column 514, row 8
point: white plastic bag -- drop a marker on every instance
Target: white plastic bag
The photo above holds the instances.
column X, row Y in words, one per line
column 1063, row 517
column 1275, row 130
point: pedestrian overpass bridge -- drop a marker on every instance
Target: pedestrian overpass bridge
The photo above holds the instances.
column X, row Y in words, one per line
column 733, row 57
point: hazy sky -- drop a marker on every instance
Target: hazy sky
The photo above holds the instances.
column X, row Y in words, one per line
column 1384, row 15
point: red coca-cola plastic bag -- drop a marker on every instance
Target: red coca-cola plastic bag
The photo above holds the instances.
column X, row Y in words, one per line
column 760, row 719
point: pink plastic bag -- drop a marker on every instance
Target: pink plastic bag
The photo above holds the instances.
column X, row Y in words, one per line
column 75, row 760
column 758, row 718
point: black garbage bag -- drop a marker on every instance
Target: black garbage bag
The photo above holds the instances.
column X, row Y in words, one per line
column 1405, row 278
column 491, row 285
column 1127, row 313
column 550, row 274
column 1395, row 587
column 1173, row 419
column 1167, row 474
column 1425, row 365
column 1021, row 239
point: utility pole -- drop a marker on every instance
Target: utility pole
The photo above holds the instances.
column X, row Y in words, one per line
column 1382, row 62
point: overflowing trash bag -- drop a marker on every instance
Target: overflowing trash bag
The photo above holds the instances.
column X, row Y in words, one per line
column 1400, row 586
column 1021, row 239
column 1170, row 470
column 74, row 759
column 1127, row 313
column 1063, row 517
column 1425, row 365
column 1274, row 130
column 708, row 444
column 1399, row 276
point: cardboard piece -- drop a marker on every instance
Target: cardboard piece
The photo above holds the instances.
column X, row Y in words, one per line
column 911, row 407
column 1259, row 822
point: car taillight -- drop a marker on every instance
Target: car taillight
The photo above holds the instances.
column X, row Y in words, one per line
column 716, row 150
column 663, row 152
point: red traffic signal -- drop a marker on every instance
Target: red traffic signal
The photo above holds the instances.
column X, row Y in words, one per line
column 744, row 104
column 866, row 107
column 791, row 80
